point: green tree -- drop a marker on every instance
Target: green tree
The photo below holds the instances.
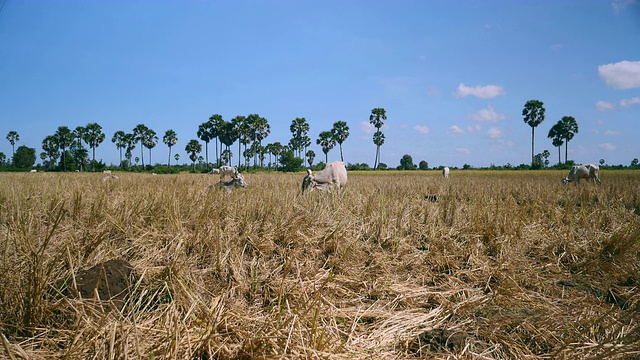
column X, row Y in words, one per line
column 216, row 123
column 13, row 137
column 423, row 165
column 228, row 136
column 3, row 158
column 259, row 130
column 140, row 133
column 378, row 140
column 130, row 144
column 150, row 141
column 24, row 157
column 205, row 133
column 533, row 113
column 177, row 157
column 193, row 148
column 119, row 138
column 64, row 137
column 299, row 129
column 311, row 155
column 569, row 129
column 555, row 134
column 340, row 133
column 326, row 142
column 276, row 149
column 377, row 118
column 93, row 136
column 601, row 162
column 406, row 163
column 289, row 162
column 170, row 138
column 240, row 132
column 50, row 147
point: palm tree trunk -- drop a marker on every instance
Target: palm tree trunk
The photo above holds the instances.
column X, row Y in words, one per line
column 566, row 150
column 169, row 162
column 532, row 140
column 341, row 158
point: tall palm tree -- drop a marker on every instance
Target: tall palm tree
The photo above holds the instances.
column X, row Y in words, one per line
column 533, row 113
column 119, row 138
column 170, row 138
column 340, row 133
column 13, row 137
column 150, row 141
column 311, row 155
column 227, row 135
column 194, row 148
column 299, row 129
column 555, row 134
column 216, row 122
column 50, row 147
column 130, row 142
column 64, row 137
column 377, row 118
column 239, row 127
column 205, row 133
column 327, row 142
column 260, row 130
column 569, row 129
column 140, row 133
column 93, row 136
column 276, row 149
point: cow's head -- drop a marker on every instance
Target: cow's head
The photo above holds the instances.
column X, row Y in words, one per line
column 239, row 181
column 308, row 182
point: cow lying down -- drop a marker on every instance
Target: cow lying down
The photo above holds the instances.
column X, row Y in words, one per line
column 334, row 175
column 236, row 182
column 589, row 171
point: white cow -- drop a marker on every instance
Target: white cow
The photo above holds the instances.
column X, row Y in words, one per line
column 445, row 172
column 214, row 171
column 33, row 171
column 236, row 182
column 228, row 170
column 333, row 175
column 108, row 175
column 106, row 172
column 589, row 171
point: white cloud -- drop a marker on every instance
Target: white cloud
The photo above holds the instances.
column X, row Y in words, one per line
column 367, row 127
column 613, row 132
column 629, row 102
column 495, row 133
column 474, row 127
column 488, row 115
column 621, row 75
column 483, row 92
column 463, row 150
column 620, row 5
column 605, row 105
column 607, row 146
column 422, row 129
column 455, row 130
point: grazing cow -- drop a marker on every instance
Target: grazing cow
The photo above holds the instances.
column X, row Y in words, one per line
column 106, row 172
column 228, row 170
column 233, row 183
column 445, row 172
column 214, row 171
column 589, row 171
column 333, row 175
column 33, row 171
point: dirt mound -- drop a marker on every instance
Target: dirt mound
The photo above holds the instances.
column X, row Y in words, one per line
column 110, row 280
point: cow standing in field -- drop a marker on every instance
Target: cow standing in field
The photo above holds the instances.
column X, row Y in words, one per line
column 333, row 175
column 589, row 171
column 445, row 172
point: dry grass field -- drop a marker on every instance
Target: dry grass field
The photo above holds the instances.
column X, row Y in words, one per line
column 505, row 265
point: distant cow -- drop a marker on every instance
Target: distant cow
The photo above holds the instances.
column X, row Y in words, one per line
column 589, row 171
column 333, row 175
column 214, row 171
column 445, row 172
column 33, row 171
column 106, row 172
column 236, row 182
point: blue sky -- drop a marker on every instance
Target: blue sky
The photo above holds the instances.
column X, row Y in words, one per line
column 453, row 76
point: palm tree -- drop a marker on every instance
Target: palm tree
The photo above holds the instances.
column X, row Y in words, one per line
column 260, row 129
column 64, row 137
column 227, row 135
column 3, row 158
column 239, row 128
column 194, row 148
column 119, row 138
column 13, row 137
column 50, row 147
column 299, row 129
column 327, row 142
column 533, row 113
column 377, row 118
column 150, row 141
column 378, row 140
column 205, row 133
column 311, row 155
column 140, row 132
column 340, row 133
column 170, row 138
column 555, row 134
column 94, row 137
column 177, row 157
column 276, row 149
column 569, row 129
column 130, row 141
column 216, row 122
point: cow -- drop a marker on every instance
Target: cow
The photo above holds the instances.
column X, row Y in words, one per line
column 228, row 170
column 445, row 172
column 589, row 171
column 214, row 171
column 236, row 182
column 333, row 175
column 106, row 172
column 33, row 171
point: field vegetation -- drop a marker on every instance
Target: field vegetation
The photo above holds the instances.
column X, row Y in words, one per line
column 483, row 265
